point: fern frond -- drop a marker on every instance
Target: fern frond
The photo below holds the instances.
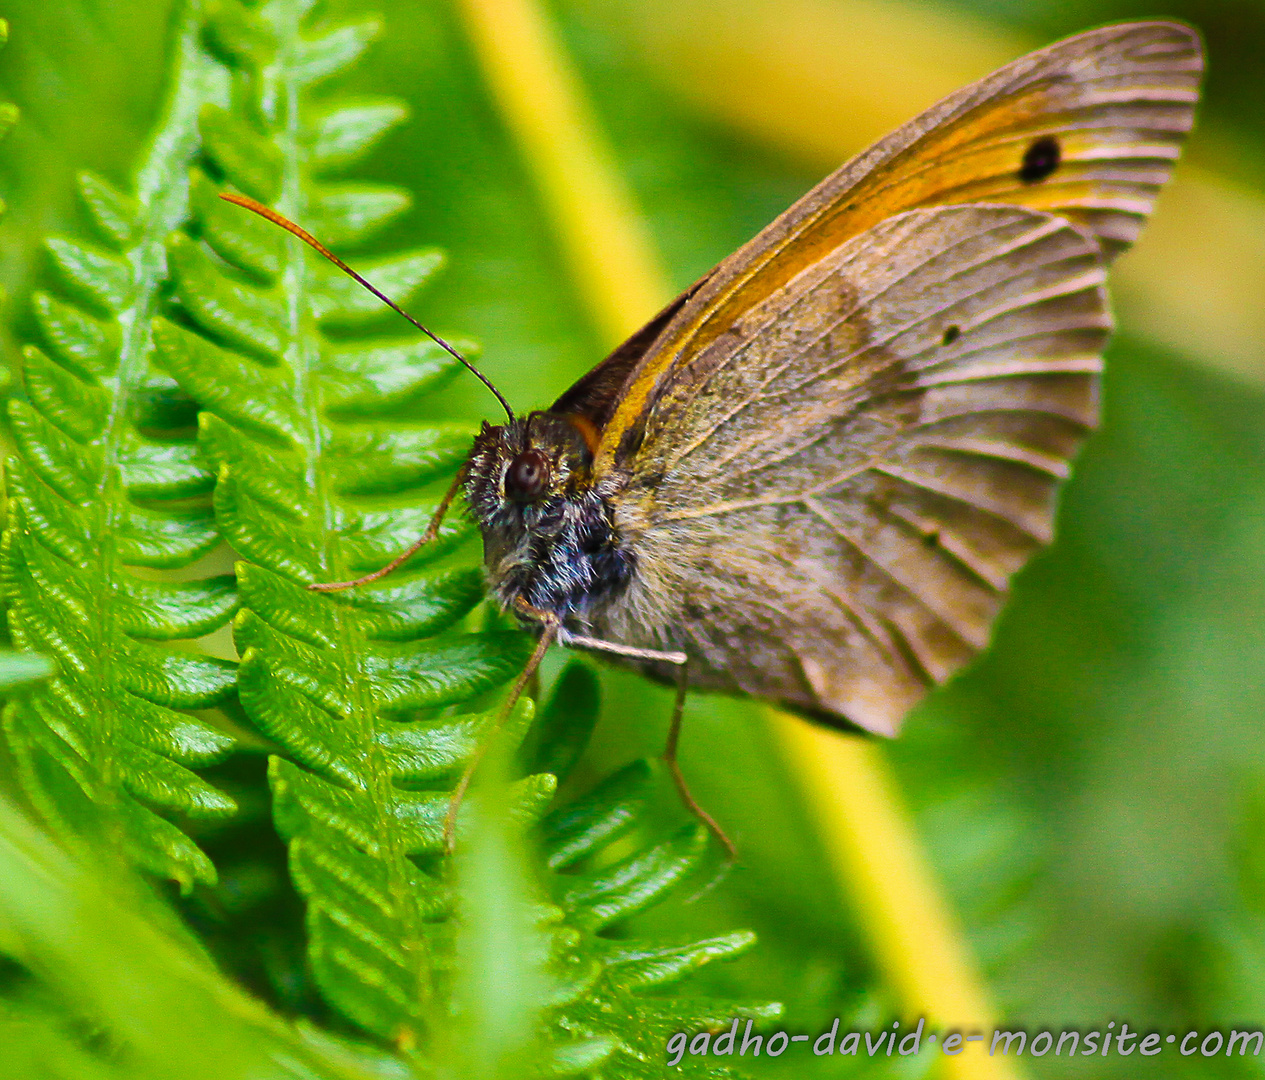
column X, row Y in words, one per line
column 380, row 696
column 98, row 983
column 619, row 1002
column 356, row 687
column 103, row 479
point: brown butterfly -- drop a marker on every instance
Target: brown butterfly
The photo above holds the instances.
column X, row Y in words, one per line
column 811, row 477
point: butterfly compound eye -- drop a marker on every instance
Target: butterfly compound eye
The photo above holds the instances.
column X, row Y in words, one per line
column 527, row 477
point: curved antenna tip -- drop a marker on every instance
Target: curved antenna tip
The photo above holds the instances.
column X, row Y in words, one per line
column 247, row 203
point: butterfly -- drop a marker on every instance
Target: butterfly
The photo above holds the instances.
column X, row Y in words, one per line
column 812, row 476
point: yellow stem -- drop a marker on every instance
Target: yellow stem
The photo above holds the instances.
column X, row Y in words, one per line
column 873, row 847
column 876, row 857
column 603, row 237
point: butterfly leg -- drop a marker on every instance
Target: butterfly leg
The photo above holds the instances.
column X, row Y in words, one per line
column 579, row 641
column 566, row 637
column 674, row 767
column 550, row 624
column 432, row 530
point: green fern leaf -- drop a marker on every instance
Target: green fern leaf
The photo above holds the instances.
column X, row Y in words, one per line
column 380, row 696
column 72, row 932
column 621, row 1004
column 100, row 482
column 369, row 693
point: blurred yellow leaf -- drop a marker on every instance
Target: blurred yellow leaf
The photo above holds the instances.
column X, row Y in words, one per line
column 820, row 79
column 1197, row 281
column 877, row 858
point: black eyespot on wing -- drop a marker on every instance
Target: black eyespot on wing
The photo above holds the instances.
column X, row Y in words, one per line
column 951, row 334
column 1040, row 160
column 527, row 476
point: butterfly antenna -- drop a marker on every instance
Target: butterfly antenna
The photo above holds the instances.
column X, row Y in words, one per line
column 278, row 219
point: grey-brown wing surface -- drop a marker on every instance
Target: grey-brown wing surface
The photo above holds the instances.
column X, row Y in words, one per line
column 833, row 498
column 1089, row 128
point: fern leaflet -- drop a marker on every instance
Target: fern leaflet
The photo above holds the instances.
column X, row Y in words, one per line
column 319, row 480
column 375, row 694
column 102, row 480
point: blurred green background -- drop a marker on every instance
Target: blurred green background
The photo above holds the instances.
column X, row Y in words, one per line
column 1086, row 790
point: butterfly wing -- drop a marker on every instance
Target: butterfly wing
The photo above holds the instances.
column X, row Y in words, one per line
column 828, row 510
column 1089, row 128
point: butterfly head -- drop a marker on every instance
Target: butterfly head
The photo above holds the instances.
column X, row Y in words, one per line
column 516, row 470
column 547, row 532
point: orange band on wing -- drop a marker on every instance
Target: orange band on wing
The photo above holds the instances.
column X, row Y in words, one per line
column 587, row 429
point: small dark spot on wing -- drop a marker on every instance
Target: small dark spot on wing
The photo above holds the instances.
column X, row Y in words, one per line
column 1040, row 160
column 951, row 334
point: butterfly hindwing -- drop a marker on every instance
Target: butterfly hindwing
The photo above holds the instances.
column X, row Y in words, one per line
column 833, row 496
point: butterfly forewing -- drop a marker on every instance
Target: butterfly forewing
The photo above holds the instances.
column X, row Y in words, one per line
column 829, row 502
column 1089, row 129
